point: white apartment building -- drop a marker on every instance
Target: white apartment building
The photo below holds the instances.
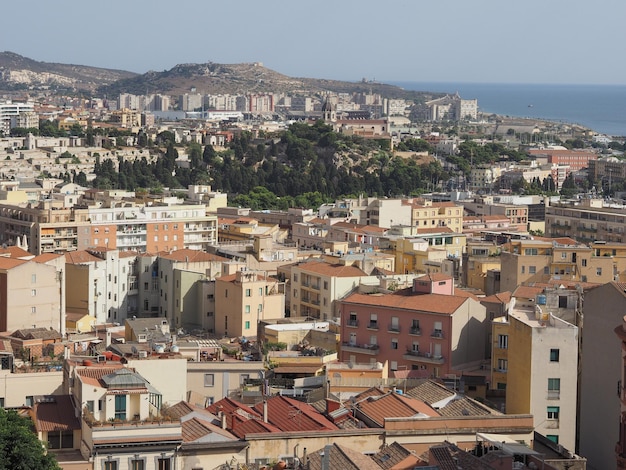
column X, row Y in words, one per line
column 10, row 114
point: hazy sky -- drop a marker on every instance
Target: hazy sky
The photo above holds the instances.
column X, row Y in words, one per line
column 532, row 41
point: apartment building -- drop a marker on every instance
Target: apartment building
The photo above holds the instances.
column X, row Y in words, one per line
column 244, row 299
column 30, row 295
column 316, row 286
column 102, row 283
column 426, row 214
column 516, row 213
column 427, row 328
column 602, row 386
column 576, row 159
column 589, row 220
column 620, row 447
column 541, row 369
column 542, row 260
column 479, row 258
column 51, row 227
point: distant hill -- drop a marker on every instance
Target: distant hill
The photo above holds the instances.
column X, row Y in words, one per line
column 19, row 73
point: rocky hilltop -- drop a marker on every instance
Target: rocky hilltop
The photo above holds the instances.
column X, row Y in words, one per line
column 18, row 73
column 21, row 73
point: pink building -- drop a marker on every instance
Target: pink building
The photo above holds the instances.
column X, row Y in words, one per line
column 428, row 327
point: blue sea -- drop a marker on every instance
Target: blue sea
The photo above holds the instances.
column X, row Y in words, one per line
column 598, row 107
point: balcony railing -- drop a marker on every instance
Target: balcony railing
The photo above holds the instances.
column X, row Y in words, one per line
column 420, row 356
column 371, row 349
column 353, row 323
column 415, row 330
column 372, row 325
column 554, row 394
column 393, row 328
column 437, row 334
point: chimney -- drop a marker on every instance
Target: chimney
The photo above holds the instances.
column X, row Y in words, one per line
column 107, row 334
column 265, row 411
column 223, row 420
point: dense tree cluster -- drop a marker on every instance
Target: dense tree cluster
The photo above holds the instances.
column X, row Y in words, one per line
column 20, row 449
column 301, row 167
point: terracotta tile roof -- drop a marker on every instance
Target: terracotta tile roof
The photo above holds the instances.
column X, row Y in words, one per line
column 93, row 375
column 392, row 405
column 390, row 455
column 182, row 408
column 527, row 292
column 434, row 277
column 434, row 303
column 15, row 252
column 195, row 429
column 242, row 426
column 45, row 257
column 340, row 457
column 370, row 392
column 336, row 270
column 288, row 415
column 192, row 256
column 36, row 333
column 127, row 254
column 430, row 392
column 10, row 263
column 80, row 257
column 499, row 298
column 466, row 407
column 447, row 456
column 427, row 231
column 57, row 415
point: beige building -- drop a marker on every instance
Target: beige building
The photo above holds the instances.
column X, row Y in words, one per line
column 542, row 260
column 541, row 371
column 316, row 286
column 245, row 298
column 426, row 214
column 589, row 220
column 30, row 295
column 478, row 259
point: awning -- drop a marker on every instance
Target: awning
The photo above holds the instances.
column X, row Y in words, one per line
column 506, row 444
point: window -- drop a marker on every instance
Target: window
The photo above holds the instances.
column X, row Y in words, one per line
column 373, row 321
column 137, row 464
column 260, row 291
column 501, row 386
column 164, row 463
column 415, row 327
column 33, row 278
column 89, row 405
column 546, row 269
column 33, row 292
column 325, row 285
column 295, row 278
column 598, row 271
column 110, row 465
column 33, row 310
column 554, row 355
column 532, row 269
column 209, row 380
column 248, row 292
column 530, row 251
column 553, row 412
column 120, row 407
column 523, row 269
column 584, row 262
column 553, row 437
column 394, row 344
column 563, row 255
column 437, row 331
column 503, row 365
column 247, row 325
column 247, row 308
column 503, row 341
column 554, row 388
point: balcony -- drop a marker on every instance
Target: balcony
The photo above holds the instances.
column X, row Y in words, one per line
column 371, row 349
column 552, row 424
column 353, row 323
column 554, row 394
column 437, row 334
column 420, row 356
column 415, row 331
column 372, row 325
column 393, row 328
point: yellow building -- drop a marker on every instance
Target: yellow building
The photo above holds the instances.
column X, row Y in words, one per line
column 245, row 298
column 542, row 260
column 79, row 322
column 499, row 352
column 428, row 214
column 478, row 260
column 617, row 252
column 427, row 250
